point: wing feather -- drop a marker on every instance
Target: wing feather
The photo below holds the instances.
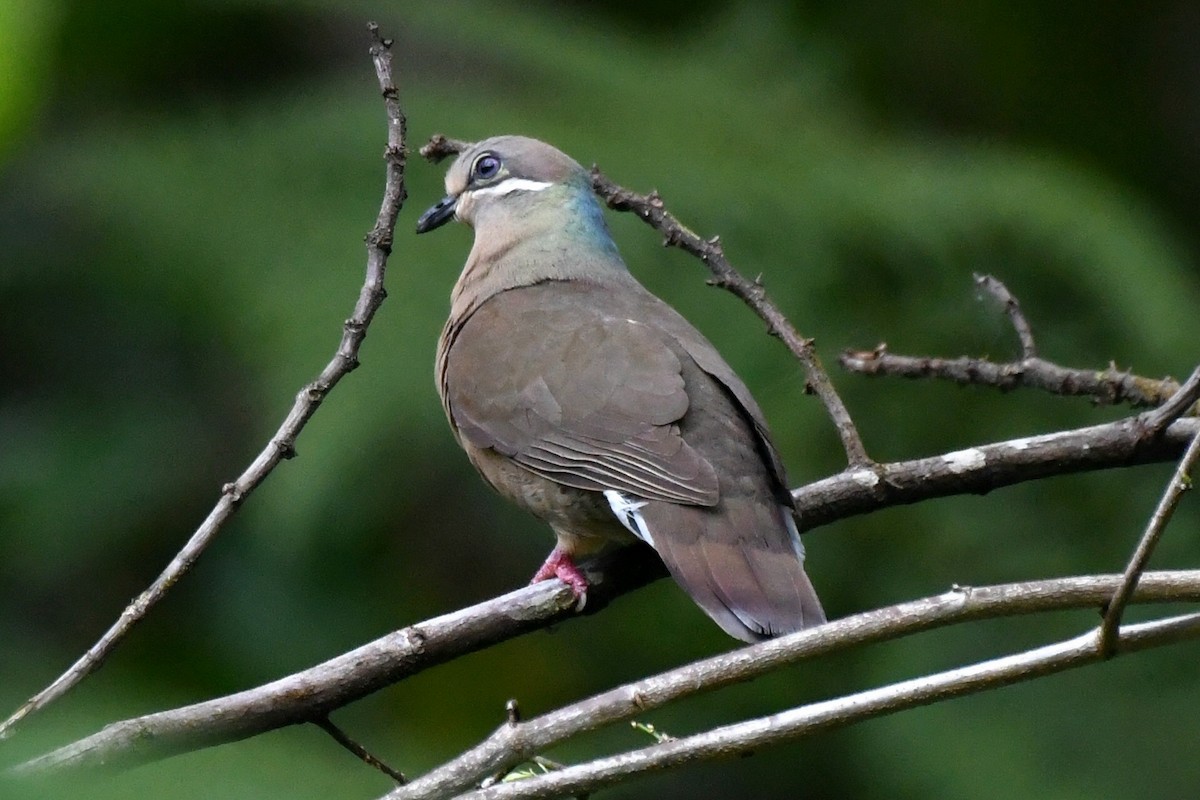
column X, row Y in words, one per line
column 592, row 402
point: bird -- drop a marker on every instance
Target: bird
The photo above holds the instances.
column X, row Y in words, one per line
column 593, row 404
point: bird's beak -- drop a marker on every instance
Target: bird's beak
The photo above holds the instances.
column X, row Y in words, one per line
column 438, row 214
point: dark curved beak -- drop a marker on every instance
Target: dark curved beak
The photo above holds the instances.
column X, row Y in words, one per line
column 438, row 215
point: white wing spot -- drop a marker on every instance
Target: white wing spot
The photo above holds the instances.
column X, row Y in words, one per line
column 626, row 510
column 789, row 522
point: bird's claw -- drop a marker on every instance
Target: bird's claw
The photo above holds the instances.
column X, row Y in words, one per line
column 560, row 565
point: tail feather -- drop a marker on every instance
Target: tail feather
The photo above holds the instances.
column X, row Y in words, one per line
column 738, row 564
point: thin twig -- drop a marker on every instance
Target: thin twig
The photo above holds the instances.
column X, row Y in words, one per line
column 998, row 290
column 360, row 752
column 1181, row 481
column 651, row 209
column 745, row 737
column 440, row 147
column 1110, row 386
column 1176, row 406
column 653, row 212
column 511, row 744
column 282, row 444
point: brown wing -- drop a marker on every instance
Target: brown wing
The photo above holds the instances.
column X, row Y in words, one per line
column 579, row 396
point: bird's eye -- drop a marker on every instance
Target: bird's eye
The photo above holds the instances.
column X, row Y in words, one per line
column 485, row 167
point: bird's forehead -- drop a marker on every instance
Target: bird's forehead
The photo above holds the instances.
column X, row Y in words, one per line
column 522, row 158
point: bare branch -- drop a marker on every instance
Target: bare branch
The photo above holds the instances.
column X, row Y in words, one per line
column 360, row 752
column 314, row 693
column 981, row 469
column 282, row 444
column 744, row 737
column 1181, row 481
column 1175, row 406
column 653, row 212
column 1110, row 386
column 440, row 147
column 513, row 743
column 998, row 290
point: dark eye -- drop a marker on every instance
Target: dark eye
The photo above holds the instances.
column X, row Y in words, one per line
column 486, row 167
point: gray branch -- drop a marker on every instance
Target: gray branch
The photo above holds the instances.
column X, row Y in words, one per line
column 313, row 693
column 1181, row 481
column 744, row 737
column 307, row 401
column 980, row 469
column 310, row 695
column 1109, row 386
column 513, row 743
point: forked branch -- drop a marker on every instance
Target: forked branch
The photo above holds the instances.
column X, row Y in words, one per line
column 513, row 743
column 312, row 694
column 1110, row 386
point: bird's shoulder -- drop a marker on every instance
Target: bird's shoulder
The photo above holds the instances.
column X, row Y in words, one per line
column 568, row 337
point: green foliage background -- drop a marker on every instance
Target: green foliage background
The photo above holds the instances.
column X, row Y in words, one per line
column 183, row 192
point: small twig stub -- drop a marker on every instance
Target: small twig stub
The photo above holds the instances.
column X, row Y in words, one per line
column 998, row 290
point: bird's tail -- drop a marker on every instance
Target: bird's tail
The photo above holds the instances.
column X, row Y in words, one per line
column 741, row 561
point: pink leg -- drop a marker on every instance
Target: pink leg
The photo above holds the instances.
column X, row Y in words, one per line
column 559, row 565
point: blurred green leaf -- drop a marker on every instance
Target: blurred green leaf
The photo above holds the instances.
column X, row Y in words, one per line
column 26, row 28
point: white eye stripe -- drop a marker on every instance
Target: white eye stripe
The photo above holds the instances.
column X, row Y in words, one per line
column 510, row 185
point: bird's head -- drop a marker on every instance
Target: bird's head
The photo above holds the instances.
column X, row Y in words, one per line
column 509, row 178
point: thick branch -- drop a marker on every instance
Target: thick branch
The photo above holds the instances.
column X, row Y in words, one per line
column 513, row 743
column 310, row 694
column 744, row 737
column 314, row 693
column 282, row 444
column 978, row 470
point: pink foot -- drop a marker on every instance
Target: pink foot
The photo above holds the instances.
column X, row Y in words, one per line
column 559, row 565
